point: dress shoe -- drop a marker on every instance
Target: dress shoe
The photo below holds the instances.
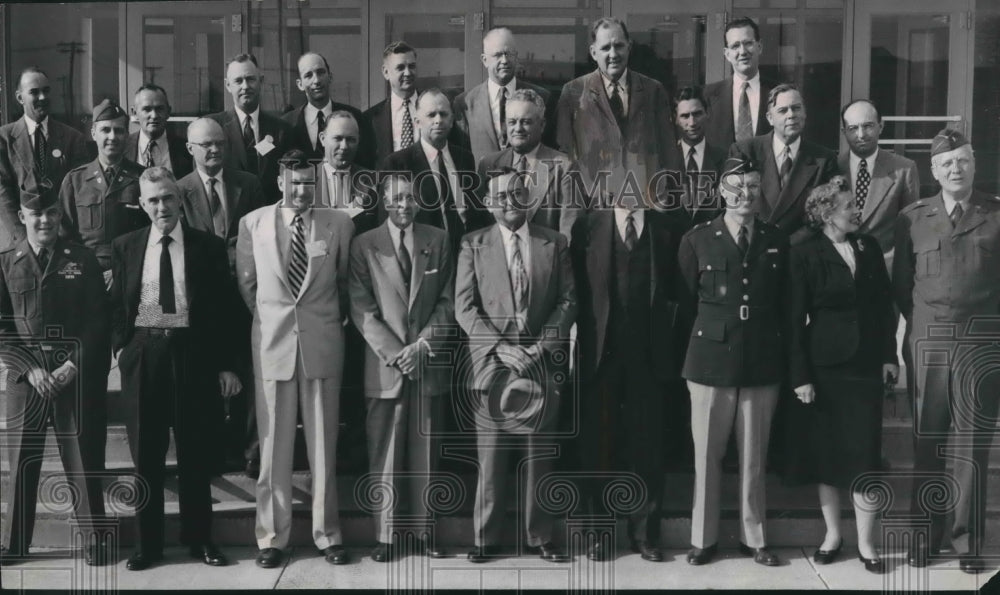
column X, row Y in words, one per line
column 96, row 555
column 972, row 564
column 209, row 554
column 269, row 557
column 382, row 552
column 336, row 554
column 826, row 556
column 761, row 555
column 142, row 560
column 918, row 557
column 429, row 549
column 702, row 555
column 253, row 469
column 483, row 553
column 549, row 552
column 874, row 565
column 647, row 551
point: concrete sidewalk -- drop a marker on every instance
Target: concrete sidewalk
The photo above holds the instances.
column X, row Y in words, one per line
column 306, row 570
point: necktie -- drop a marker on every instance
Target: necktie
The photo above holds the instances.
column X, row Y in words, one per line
column 744, row 123
column 445, row 190
column 861, row 187
column 109, row 175
column 320, row 127
column 406, row 138
column 43, row 258
column 956, row 214
column 617, row 107
column 522, row 164
column 150, row 153
column 630, row 236
column 215, row 205
column 167, row 302
column 692, row 172
column 503, row 117
column 249, row 141
column 405, row 264
column 742, row 241
column 518, row 274
column 297, row 264
column 41, row 152
column 786, row 166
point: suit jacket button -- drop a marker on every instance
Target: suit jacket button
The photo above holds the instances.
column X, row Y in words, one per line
column 708, row 268
column 746, row 298
column 746, row 281
column 699, row 333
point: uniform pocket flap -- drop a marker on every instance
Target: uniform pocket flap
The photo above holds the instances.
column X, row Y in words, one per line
column 21, row 284
column 714, row 330
column 926, row 245
column 712, row 265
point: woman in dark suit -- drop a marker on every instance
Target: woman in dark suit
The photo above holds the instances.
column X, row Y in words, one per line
column 843, row 355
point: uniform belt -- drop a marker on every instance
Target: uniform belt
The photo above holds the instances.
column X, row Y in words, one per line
column 741, row 312
column 150, row 331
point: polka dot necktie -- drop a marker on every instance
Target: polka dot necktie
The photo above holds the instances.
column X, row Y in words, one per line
column 861, row 187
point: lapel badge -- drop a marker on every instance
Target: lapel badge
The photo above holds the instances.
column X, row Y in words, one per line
column 56, row 153
column 65, row 250
column 718, row 233
column 19, row 253
column 269, row 139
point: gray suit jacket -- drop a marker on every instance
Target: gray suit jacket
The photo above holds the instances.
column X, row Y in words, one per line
column 474, row 119
column 243, row 195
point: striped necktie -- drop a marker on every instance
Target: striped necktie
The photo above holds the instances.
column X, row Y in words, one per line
column 298, row 264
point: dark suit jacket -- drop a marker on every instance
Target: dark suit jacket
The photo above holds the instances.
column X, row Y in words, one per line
column 474, row 119
column 180, row 158
column 379, row 117
column 785, row 207
column 17, row 168
column 705, row 204
column 279, row 131
column 851, row 318
column 895, row 184
column 299, row 138
column 412, row 160
column 588, row 133
column 719, row 128
column 364, row 192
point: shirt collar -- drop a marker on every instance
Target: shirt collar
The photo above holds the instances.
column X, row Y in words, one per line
column 734, row 227
column 311, row 113
column 243, row 116
column 532, row 155
column 177, row 234
column 738, row 81
column 949, row 203
column 37, row 247
column 431, row 153
column 144, row 141
column 396, row 102
column 855, row 161
column 522, row 233
column 394, row 231
column 204, row 178
column 31, row 124
column 686, row 148
column 622, row 82
column 779, row 147
column 494, row 89
column 638, row 215
column 288, row 215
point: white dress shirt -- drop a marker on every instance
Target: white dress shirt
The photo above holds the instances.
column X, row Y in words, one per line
column 638, row 219
column 150, row 311
column 622, row 89
column 162, row 156
column 753, row 94
column 508, row 247
column 779, row 150
column 949, row 204
column 407, row 241
column 699, row 153
column 31, row 124
column 311, row 115
column 255, row 124
column 846, row 251
column 431, row 153
column 396, row 108
column 287, row 217
column 220, row 189
column 734, row 228
column 493, row 90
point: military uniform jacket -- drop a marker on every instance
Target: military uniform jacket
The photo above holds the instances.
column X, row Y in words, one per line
column 735, row 306
column 96, row 211
column 68, row 296
column 946, row 273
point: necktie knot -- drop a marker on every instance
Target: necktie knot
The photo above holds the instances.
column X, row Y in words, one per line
column 630, row 233
column 43, row 258
column 151, row 153
column 406, row 135
column 956, row 214
column 743, row 240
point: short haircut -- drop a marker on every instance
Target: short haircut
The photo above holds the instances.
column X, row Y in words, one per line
column 823, row 200
column 295, row 160
column 157, row 174
column 28, row 70
column 242, row 58
column 772, row 97
column 690, row 93
column 530, row 96
column 878, row 115
column 152, row 87
column 383, row 186
column 431, row 91
column 740, row 23
column 321, row 56
column 341, row 114
column 398, row 47
column 607, row 23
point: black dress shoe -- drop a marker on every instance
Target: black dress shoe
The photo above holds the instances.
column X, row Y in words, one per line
column 429, row 549
column 209, row 554
column 702, row 555
column 336, row 554
column 875, row 565
column 761, row 555
column 827, row 556
column 549, row 552
column 96, row 555
column 142, row 561
column 483, row 553
column 269, row 557
column 253, row 469
column 647, row 551
column 382, row 552
column 972, row 564
column 918, row 557
column 599, row 553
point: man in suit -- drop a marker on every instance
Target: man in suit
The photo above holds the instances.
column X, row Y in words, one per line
column 443, row 174
column 945, row 277
column 883, row 182
column 790, row 166
column 100, row 200
column 308, row 121
column 33, row 148
column 402, row 296
column 347, row 185
column 152, row 144
column 48, row 283
column 700, row 161
column 738, row 105
column 292, row 266
column 392, row 118
column 625, row 265
column 613, row 119
column 548, row 184
column 481, row 112
column 515, row 298
column 734, row 271
column 173, row 333
column 256, row 139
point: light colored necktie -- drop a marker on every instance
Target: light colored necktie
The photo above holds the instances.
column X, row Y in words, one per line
column 406, row 137
column 518, row 275
column 744, row 122
column 786, row 166
column 151, row 153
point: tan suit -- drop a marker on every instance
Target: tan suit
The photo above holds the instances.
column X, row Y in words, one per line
column 402, row 413
column 298, row 361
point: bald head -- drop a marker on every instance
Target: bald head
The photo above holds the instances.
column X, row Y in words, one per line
column 314, row 79
column 500, row 55
column 207, row 144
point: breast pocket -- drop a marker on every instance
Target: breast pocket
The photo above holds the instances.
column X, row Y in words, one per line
column 24, row 296
column 712, row 278
column 928, row 257
column 90, row 212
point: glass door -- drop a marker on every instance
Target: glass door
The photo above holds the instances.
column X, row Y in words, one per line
column 915, row 65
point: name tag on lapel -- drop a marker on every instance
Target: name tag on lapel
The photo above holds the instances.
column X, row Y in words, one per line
column 772, row 250
column 431, row 272
column 265, row 146
column 317, row 248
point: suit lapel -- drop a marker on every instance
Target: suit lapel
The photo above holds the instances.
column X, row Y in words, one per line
column 197, row 199
column 234, row 201
column 599, row 249
column 636, row 100
column 386, row 255
column 803, row 169
column 132, row 147
column 883, row 179
column 495, row 267
column 22, row 146
column 770, row 178
column 541, row 257
column 272, row 254
column 725, row 110
column 487, row 122
column 136, row 252
column 235, row 135
column 595, row 90
column 121, row 179
column 421, row 249
column 972, row 219
column 322, row 230
column 829, row 253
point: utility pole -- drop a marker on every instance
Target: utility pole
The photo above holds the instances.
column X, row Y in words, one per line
column 72, row 48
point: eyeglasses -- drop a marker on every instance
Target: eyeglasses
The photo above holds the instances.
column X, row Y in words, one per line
column 747, row 45
column 218, row 144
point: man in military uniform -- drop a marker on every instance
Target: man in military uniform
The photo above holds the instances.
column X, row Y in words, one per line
column 733, row 270
column 50, row 283
column 945, row 277
column 100, row 200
